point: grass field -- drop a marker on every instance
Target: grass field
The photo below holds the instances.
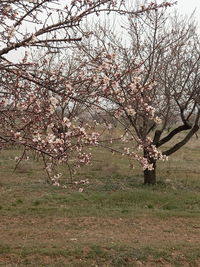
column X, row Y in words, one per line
column 115, row 221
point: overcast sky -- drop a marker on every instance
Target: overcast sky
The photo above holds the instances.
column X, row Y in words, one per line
column 186, row 7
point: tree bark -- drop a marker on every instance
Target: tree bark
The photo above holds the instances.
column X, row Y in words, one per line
column 150, row 175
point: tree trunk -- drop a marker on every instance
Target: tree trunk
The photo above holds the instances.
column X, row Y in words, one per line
column 150, row 175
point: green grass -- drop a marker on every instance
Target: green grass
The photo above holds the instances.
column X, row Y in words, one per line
column 114, row 198
column 115, row 221
column 110, row 255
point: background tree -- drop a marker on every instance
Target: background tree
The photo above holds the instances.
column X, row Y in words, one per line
column 157, row 84
column 169, row 48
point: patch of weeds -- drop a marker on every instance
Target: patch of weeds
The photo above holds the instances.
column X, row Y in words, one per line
column 4, row 249
column 110, row 187
column 150, row 206
column 96, row 250
column 120, row 261
column 124, row 211
column 193, row 256
column 177, row 255
column 19, row 201
column 161, row 254
column 169, row 207
column 140, row 254
column 36, row 203
column 125, row 256
column 177, row 262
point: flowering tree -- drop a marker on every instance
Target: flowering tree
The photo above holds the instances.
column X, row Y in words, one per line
column 120, row 93
column 152, row 86
column 38, row 101
column 34, row 98
column 171, row 59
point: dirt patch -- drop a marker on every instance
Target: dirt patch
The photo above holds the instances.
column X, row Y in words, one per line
column 32, row 233
column 142, row 230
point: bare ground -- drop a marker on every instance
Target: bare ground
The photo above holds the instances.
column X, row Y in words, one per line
column 67, row 232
